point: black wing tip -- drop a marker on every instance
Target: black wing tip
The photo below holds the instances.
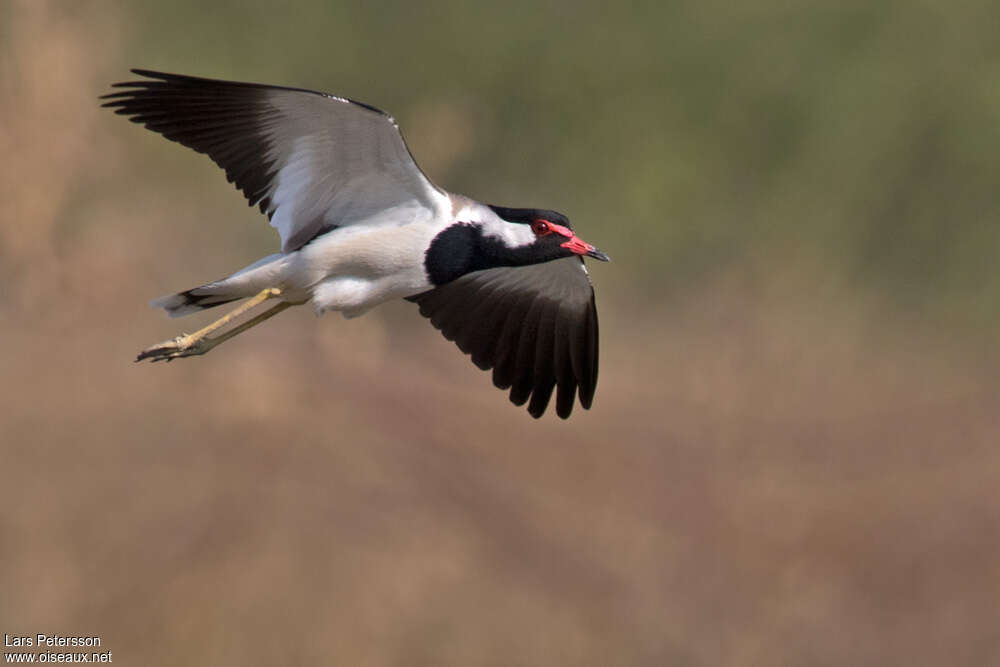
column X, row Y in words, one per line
column 576, row 380
column 168, row 77
column 150, row 74
column 156, row 80
column 120, row 96
column 564, row 409
column 584, row 390
column 540, row 401
column 154, row 74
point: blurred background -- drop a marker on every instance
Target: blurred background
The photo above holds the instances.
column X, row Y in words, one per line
column 793, row 453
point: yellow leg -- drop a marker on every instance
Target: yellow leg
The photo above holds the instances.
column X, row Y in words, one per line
column 189, row 345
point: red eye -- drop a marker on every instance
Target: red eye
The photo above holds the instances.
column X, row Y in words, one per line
column 540, row 227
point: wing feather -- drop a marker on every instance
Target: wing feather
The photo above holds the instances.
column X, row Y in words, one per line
column 310, row 161
column 535, row 326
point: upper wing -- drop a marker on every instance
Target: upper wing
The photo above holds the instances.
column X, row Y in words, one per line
column 535, row 326
column 312, row 161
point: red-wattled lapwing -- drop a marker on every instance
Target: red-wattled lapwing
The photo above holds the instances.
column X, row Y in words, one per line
column 361, row 224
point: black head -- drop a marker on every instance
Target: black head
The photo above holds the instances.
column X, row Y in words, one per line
column 553, row 235
column 529, row 215
column 522, row 236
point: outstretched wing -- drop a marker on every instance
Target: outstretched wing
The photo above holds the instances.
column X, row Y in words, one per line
column 535, row 326
column 311, row 161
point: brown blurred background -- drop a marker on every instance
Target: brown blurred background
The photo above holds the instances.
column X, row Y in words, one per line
column 794, row 453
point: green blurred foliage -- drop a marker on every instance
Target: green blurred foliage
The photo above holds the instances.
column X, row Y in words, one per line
column 859, row 138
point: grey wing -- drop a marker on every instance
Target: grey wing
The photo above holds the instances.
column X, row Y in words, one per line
column 535, row 326
column 311, row 161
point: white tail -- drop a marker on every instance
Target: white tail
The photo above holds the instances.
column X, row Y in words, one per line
column 241, row 285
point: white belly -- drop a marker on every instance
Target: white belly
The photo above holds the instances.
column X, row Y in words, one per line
column 354, row 268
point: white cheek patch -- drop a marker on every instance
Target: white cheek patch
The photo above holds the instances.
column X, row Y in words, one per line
column 511, row 234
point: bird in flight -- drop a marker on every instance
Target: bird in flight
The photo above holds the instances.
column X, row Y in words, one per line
column 361, row 224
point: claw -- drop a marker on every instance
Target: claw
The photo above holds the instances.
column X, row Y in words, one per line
column 189, row 345
column 175, row 348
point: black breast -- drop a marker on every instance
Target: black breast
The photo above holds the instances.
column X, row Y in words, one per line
column 463, row 248
column 454, row 252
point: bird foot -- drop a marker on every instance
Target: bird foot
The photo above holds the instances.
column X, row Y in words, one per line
column 175, row 348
